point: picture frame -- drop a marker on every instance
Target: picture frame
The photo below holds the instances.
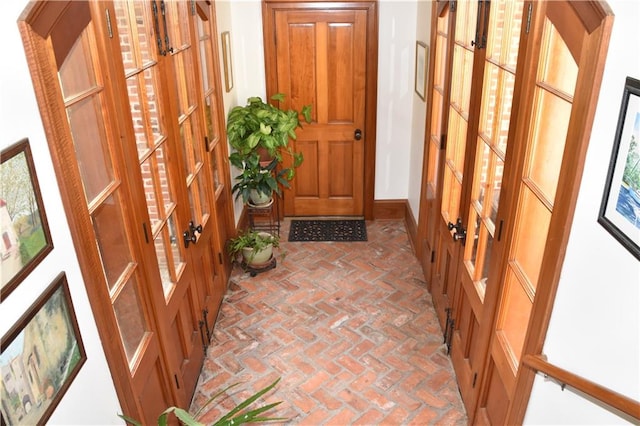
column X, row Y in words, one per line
column 25, row 239
column 226, row 57
column 620, row 208
column 422, row 61
column 33, row 351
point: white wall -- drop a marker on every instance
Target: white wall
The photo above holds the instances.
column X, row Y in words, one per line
column 401, row 113
column 396, row 97
column 243, row 19
column 419, row 112
column 595, row 325
column 91, row 399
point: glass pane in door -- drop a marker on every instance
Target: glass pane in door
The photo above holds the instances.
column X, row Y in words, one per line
column 82, row 82
column 547, row 136
column 495, row 116
column 143, row 88
column 463, row 54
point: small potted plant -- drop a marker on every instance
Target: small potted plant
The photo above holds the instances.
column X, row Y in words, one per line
column 259, row 133
column 256, row 247
column 256, row 182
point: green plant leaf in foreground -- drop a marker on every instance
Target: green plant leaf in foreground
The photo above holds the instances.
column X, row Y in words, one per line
column 229, row 416
column 234, row 417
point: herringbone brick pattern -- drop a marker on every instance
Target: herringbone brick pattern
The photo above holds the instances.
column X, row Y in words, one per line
column 349, row 328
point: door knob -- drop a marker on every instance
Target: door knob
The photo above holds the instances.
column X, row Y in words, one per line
column 188, row 238
column 195, row 229
column 357, row 135
column 460, row 233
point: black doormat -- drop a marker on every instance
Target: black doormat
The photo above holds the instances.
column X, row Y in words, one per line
column 328, row 230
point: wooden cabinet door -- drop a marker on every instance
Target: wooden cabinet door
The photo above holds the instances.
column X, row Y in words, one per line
column 321, row 60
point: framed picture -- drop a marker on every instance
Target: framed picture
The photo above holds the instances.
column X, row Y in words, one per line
column 41, row 355
column 226, row 57
column 25, row 238
column 422, row 59
column 620, row 208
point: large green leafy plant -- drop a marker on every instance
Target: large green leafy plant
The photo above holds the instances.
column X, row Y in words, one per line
column 263, row 127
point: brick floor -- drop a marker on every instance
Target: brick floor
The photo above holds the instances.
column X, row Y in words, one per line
column 348, row 327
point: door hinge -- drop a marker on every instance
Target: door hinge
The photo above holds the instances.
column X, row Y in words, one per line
column 443, row 142
column 529, row 11
column 475, row 376
column 146, row 235
column 433, row 256
column 193, row 7
column 220, row 258
column 446, row 324
column 108, row 18
column 450, row 337
column 500, row 230
column 204, row 343
column 452, row 6
column 175, row 376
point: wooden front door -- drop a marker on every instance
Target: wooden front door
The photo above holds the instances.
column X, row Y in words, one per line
column 321, row 59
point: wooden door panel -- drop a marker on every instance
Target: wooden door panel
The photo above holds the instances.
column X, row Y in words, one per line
column 493, row 411
column 467, row 345
column 307, row 182
column 321, row 60
column 443, row 286
column 341, row 159
column 152, row 392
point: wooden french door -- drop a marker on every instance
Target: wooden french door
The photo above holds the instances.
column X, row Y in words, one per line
column 513, row 139
column 321, row 59
column 562, row 59
column 453, row 174
column 473, row 306
column 434, row 145
column 135, row 128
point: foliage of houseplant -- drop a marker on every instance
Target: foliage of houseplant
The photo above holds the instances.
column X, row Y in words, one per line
column 260, row 126
column 255, row 240
column 240, row 414
column 255, row 177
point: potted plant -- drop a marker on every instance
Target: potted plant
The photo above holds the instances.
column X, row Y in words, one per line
column 257, row 182
column 261, row 129
column 256, row 247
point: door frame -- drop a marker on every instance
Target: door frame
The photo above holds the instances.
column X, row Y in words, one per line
column 269, row 8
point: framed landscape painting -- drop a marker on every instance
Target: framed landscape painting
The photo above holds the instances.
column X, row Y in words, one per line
column 41, row 355
column 620, row 208
column 24, row 232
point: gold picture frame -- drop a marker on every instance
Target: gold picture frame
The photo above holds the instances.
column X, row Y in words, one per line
column 226, row 57
column 422, row 61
